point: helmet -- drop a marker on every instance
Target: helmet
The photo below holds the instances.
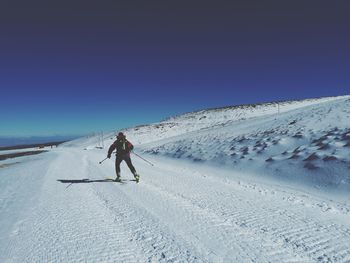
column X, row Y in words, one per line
column 120, row 135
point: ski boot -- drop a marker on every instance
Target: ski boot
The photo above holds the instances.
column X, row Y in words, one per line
column 118, row 178
column 137, row 177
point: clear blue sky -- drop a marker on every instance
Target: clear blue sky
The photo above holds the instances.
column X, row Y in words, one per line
column 73, row 67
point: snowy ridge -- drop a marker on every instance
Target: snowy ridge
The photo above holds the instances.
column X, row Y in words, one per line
column 307, row 141
column 218, row 117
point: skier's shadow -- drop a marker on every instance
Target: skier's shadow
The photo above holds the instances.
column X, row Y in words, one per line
column 87, row 181
column 84, row 181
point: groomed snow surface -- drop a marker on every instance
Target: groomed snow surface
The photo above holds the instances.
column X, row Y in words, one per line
column 239, row 184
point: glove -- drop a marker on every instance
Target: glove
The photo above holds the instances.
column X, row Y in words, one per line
column 108, row 156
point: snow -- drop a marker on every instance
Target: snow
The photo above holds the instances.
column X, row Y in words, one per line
column 275, row 145
column 201, row 201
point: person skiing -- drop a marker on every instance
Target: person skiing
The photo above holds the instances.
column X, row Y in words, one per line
column 123, row 147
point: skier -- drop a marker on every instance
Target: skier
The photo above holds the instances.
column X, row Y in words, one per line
column 123, row 147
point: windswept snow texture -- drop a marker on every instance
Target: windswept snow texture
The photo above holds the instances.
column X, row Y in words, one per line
column 306, row 141
column 236, row 184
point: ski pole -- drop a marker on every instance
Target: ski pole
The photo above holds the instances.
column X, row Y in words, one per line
column 103, row 160
column 143, row 159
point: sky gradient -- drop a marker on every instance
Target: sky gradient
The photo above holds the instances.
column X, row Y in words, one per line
column 74, row 67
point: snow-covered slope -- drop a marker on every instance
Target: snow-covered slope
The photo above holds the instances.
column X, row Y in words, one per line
column 215, row 118
column 311, row 143
column 306, row 141
column 221, row 190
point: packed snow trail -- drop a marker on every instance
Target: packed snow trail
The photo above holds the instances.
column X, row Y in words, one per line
column 181, row 213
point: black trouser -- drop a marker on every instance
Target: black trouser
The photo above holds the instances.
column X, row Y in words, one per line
column 127, row 159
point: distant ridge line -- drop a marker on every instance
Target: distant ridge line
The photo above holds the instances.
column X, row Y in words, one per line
column 253, row 105
column 33, row 145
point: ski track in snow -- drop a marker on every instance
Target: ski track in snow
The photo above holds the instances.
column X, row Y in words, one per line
column 172, row 215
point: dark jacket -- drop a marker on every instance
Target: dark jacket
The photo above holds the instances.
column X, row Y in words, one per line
column 122, row 145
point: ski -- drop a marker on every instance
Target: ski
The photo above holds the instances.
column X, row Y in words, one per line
column 114, row 179
column 137, row 179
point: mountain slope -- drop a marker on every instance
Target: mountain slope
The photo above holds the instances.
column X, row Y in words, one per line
column 307, row 141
